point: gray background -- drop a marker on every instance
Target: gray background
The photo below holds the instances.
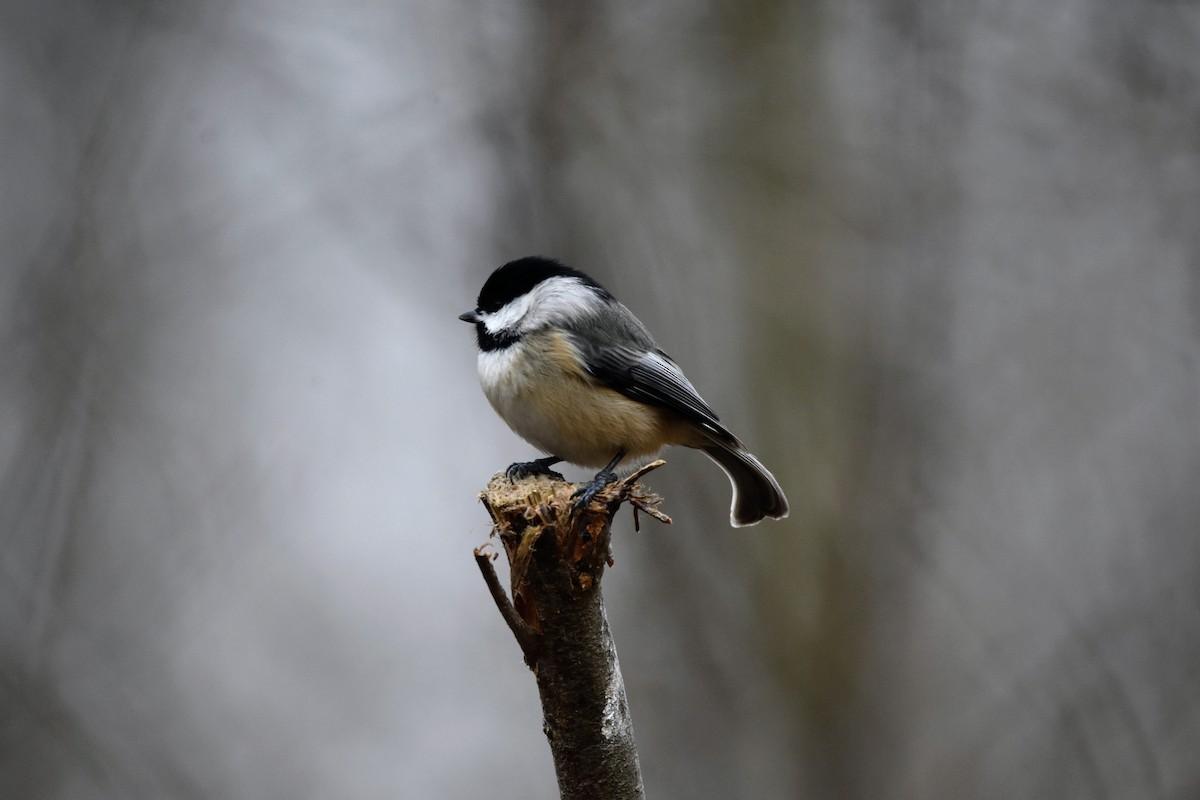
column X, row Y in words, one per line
column 936, row 263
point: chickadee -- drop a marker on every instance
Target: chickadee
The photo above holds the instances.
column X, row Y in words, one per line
column 577, row 375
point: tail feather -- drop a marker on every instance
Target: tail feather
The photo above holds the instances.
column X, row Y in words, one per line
column 756, row 493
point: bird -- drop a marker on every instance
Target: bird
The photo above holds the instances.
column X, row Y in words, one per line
column 573, row 372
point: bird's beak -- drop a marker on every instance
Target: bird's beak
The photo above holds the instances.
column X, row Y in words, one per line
column 469, row 316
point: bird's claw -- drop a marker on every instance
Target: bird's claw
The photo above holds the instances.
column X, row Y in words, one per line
column 527, row 469
column 589, row 490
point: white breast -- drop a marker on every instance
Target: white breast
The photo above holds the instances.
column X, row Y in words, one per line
column 537, row 387
column 502, row 373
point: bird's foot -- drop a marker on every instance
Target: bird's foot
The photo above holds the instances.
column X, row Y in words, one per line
column 539, row 466
column 586, row 493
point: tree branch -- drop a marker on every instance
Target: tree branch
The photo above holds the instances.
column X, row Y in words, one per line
column 556, row 561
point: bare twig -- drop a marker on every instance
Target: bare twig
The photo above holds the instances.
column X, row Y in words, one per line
column 525, row 635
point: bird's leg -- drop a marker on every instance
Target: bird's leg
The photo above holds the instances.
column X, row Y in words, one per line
column 539, row 466
column 603, row 478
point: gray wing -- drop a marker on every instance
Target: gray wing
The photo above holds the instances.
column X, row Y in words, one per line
column 645, row 373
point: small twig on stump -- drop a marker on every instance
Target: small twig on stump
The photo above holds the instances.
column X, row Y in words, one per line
column 556, row 558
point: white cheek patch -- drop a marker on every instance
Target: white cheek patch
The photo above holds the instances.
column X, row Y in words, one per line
column 509, row 316
column 553, row 299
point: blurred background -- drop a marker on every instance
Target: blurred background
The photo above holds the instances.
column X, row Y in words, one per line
column 938, row 264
